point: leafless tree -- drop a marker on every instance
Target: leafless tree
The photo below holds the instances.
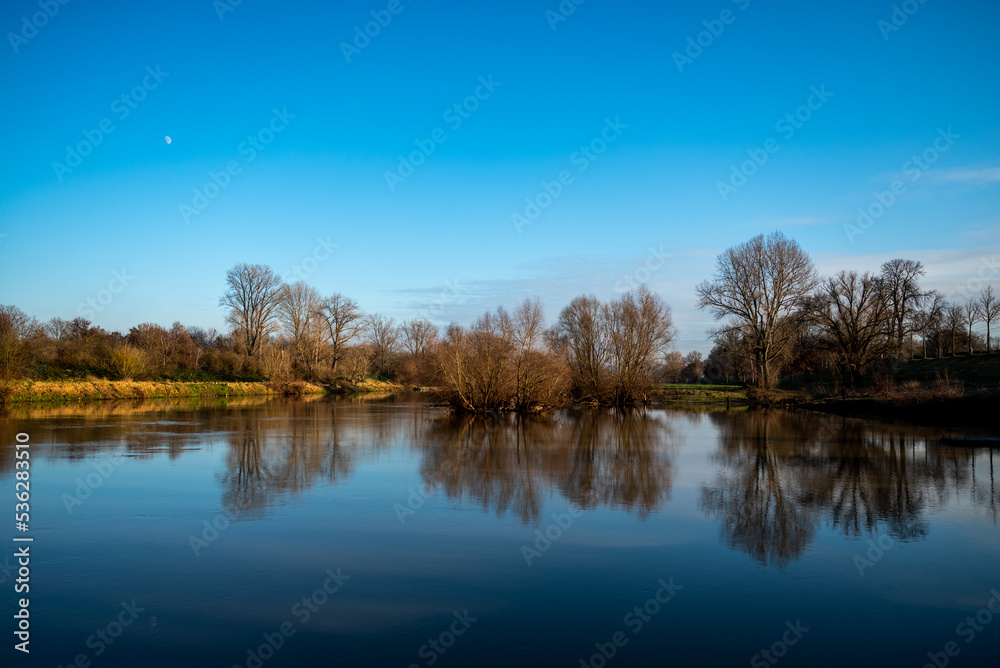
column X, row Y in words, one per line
column 640, row 330
column 57, row 328
column 954, row 318
column 758, row 286
column 383, row 335
column 927, row 319
column 344, row 322
column 252, row 299
column 299, row 315
column 584, row 339
column 972, row 315
column 417, row 337
column 852, row 313
column 989, row 308
column 901, row 279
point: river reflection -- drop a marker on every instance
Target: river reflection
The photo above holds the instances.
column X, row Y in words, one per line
column 218, row 516
column 778, row 476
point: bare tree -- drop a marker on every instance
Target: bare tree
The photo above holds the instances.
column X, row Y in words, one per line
column 57, row 328
column 344, row 323
column 383, row 336
column 418, row 337
column 972, row 315
column 901, row 280
column 640, row 330
column 852, row 313
column 927, row 320
column 989, row 309
column 758, row 287
column 298, row 313
column 583, row 338
column 252, row 299
column 954, row 318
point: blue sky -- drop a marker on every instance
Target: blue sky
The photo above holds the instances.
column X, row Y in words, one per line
column 642, row 146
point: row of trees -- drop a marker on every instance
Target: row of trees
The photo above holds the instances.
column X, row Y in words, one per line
column 777, row 314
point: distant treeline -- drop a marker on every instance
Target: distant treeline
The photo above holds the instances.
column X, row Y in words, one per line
column 778, row 318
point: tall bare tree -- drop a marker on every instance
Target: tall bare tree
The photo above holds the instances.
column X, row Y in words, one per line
column 582, row 335
column 989, row 308
column 344, row 323
column 902, row 284
column 928, row 319
column 972, row 315
column 853, row 316
column 640, row 330
column 417, row 336
column 758, row 286
column 954, row 318
column 383, row 335
column 252, row 299
column 298, row 313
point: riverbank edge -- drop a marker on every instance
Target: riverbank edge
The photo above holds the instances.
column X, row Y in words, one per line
column 38, row 392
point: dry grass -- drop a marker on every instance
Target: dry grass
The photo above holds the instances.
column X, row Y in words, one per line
column 96, row 389
column 911, row 392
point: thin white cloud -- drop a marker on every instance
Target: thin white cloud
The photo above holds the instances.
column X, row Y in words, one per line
column 965, row 175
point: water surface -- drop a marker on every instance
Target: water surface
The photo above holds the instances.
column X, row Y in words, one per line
column 689, row 537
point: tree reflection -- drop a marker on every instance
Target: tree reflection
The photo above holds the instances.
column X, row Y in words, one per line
column 783, row 473
column 510, row 464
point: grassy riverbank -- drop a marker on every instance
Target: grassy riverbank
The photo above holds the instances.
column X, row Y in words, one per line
column 48, row 392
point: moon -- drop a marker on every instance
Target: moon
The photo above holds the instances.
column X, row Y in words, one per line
column 168, row 139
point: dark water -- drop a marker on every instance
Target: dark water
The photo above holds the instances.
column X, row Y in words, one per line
column 387, row 533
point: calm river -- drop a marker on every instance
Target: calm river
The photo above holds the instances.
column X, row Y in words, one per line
column 384, row 532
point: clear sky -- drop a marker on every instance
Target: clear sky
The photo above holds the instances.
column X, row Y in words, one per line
column 642, row 109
